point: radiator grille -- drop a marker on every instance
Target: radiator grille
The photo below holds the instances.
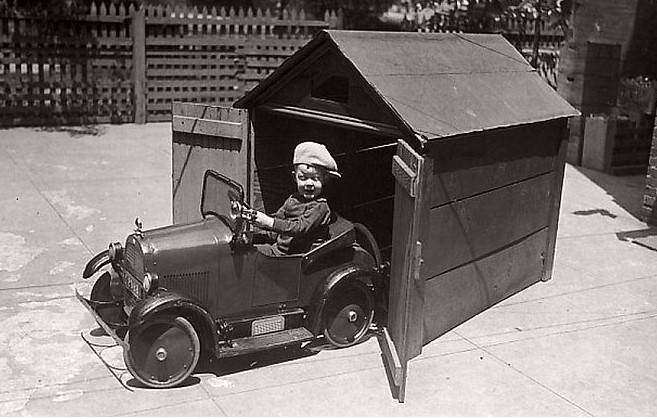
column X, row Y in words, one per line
column 134, row 258
column 191, row 283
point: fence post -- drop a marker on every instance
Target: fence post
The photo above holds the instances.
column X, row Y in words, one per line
column 340, row 22
column 649, row 208
column 139, row 64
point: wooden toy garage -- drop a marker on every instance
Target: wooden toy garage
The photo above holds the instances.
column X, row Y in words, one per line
column 451, row 150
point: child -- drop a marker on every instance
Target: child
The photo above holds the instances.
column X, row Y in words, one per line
column 304, row 218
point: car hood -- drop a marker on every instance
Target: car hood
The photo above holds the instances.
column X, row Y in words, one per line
column 182, row 248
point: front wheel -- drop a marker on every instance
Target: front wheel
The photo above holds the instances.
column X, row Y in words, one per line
column 348, row 313
column 163, row 351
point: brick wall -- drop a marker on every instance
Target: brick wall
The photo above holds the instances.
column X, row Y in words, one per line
column 650, row 196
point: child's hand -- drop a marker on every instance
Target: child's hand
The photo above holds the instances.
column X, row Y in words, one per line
column 263, row 220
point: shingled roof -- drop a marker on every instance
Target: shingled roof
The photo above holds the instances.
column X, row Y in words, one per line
column 439, row 84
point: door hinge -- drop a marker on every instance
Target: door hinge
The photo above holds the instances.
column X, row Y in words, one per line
column 406, row 177
column 406, row 168
column 418, row 261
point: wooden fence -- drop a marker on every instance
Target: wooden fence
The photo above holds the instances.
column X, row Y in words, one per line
column 118, row 64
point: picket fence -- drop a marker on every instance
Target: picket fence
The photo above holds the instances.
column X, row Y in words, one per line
column 118, row 64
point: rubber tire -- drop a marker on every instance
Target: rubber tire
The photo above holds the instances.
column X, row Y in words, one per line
column 157, row 333
column 350, row 296
column 366, row 240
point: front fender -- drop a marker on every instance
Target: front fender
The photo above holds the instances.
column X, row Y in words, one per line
column 163, row 301
column 96, row 262
column 349, row 273
column 180, row 305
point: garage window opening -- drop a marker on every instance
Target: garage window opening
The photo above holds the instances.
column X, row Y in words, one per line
column 333, row 88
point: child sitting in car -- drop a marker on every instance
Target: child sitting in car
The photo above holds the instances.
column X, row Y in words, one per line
column 304, row 218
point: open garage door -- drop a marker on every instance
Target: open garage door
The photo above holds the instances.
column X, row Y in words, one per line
column 207, row 137
column 402, row 339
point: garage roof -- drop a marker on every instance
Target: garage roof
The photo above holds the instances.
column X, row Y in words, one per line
column 439, row 84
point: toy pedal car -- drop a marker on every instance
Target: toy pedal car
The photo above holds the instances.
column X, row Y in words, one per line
column 175, row 293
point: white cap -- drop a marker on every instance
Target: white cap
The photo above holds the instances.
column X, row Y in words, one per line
column 315, row 154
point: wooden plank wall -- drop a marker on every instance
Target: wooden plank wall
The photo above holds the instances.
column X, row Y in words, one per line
column 493, row 205
column 117, row 64
column 66, row 70
column 206, row 137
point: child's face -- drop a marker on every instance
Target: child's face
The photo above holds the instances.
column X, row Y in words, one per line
column 309, row 181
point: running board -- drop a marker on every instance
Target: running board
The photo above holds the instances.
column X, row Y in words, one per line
column 263, row 342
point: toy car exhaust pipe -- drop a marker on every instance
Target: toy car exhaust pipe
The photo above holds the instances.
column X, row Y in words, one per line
column 97, row 262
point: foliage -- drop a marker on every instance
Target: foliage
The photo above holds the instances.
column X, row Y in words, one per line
column 357, row 14
column 555, row 12
column 485, row 15
column 56, row 7
column 40, row 7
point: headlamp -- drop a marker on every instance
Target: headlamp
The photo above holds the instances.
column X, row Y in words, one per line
column 149, row 281
column 115, row 251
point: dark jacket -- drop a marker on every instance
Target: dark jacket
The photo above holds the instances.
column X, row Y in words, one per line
column 300, row 223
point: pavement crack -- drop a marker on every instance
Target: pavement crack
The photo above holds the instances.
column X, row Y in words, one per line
column 28, row 287
column 620, row 319
column 579, row 236
column 55, row 385
column 163, row 406
column 215, row 402
column 611, row 284
column 40, row 192
column 532, row 379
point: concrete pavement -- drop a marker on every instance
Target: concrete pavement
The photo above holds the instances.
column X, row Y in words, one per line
column 579, row 345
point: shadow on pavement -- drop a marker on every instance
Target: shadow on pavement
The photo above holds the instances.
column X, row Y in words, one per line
column 646, row 237
column 191, row 381
column 75, row 131
column 226, row 366
column 626, row 191
column 600, row 211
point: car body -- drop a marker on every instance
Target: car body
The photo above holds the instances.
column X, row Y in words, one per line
column 173, row 294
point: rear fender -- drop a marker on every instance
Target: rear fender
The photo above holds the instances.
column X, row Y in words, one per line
column 350, row 273
column 179, row 305
column 96, row 262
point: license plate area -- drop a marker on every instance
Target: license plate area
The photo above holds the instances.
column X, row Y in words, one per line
column 132, row 284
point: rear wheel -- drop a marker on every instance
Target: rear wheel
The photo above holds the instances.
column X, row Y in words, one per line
column 348, row 313
column 163, row 351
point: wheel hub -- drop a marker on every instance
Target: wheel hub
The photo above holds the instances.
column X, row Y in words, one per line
column 161, row 354
column 352, row 316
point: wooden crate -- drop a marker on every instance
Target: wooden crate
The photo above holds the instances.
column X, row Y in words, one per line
column 617, row 146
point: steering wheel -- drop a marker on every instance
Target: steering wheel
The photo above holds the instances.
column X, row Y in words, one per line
column 241, row 211
column 242, row 216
